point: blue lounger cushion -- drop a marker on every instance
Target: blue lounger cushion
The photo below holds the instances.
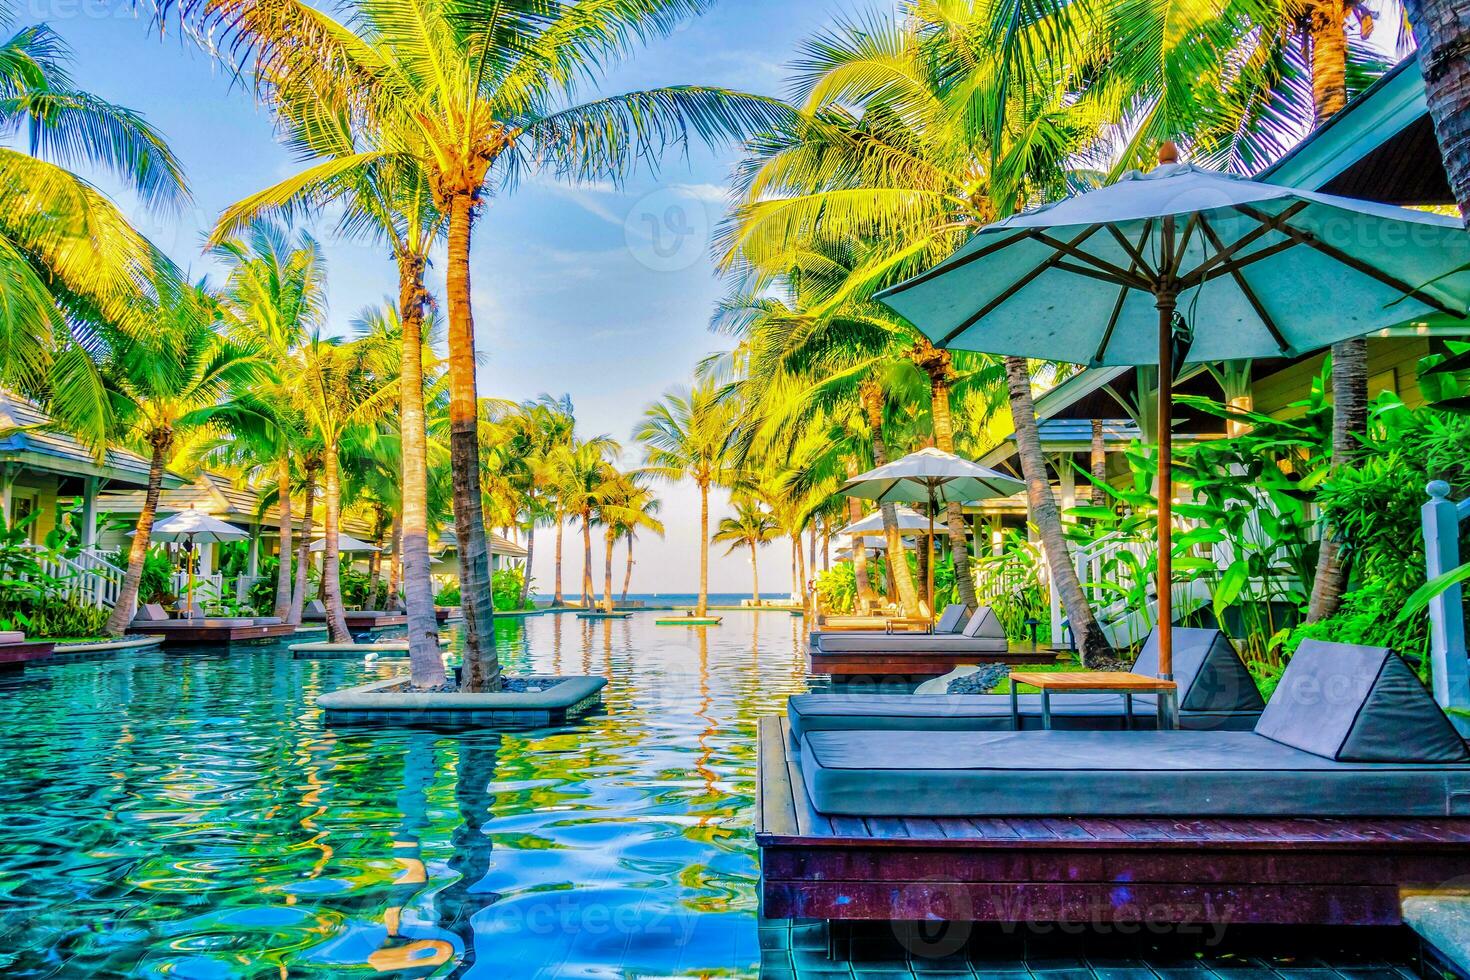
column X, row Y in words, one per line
column 1346, row 734
column 1216, row 693
column 1072, row 773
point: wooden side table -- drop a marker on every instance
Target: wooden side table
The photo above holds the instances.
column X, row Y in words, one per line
column 1090, row 682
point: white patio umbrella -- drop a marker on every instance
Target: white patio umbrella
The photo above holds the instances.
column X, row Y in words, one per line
column 937, row 477
column 1185, row 264
column 910, row 521
column 346, row 544
column 195, row 527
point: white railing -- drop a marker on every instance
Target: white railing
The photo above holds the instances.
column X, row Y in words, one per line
column 1442, row 518
column 88, row 577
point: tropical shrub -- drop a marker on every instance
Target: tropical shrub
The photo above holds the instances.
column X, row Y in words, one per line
column 506, row 588
column 262, row 592
column 58, row 617
column 448, row 596
column 157, row 583
column 837, row 588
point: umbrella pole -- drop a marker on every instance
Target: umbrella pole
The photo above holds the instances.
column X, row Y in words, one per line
column 1166, row 304
column 930, row 545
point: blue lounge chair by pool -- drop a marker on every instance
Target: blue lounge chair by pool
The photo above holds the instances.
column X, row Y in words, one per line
column 1350, row 731
column 1216, row 692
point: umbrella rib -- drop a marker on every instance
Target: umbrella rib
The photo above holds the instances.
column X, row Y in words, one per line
column 1014, row 288
column 1249, row 260
column 1245, row 288
column 1107, row 337
column 1135, row 253
column 1179, row 252
column 953, row 264
column 1352, row 262
column 1266, row 228
column 1070, row 248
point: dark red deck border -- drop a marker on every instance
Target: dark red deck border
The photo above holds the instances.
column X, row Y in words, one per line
column 212, row 635
column 365, row 622
column 20, row 654
column 1088, row 870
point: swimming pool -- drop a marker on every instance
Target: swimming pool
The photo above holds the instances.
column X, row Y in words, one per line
column 190, row 815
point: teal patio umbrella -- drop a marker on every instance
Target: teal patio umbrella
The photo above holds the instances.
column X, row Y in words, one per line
column 934, row 476
column 1185, row 264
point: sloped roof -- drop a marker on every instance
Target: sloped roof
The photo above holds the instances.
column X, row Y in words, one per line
column 217, row 495
column 499, row 545
column 30, row 439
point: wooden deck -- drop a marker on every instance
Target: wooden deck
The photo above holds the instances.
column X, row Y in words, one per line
column 207, row 634
column 367, row 622
column 920, row 665
column 1088, row 870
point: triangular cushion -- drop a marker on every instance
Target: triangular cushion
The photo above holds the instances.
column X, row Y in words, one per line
column 984, row 623
column 954, row 617
column 1358, row 704
column 1210, row 674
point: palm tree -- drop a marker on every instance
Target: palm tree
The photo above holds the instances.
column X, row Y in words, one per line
column 689, row 435
column 71, row 263
column 160, row 384
column 1442, row 32
column 337, row 390
column 752, row 527
column 640, row 513
column 587, row 481
column 538, row 431
column 275, row 294
column 475, row 98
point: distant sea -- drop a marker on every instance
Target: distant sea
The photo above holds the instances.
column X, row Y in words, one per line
column 681, row 598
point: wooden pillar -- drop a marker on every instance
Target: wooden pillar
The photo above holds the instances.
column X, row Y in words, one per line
column 88, row 530
column 7, row 485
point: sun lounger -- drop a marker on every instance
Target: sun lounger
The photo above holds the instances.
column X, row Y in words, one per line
column 1350, row 731
column 982, row 634
column 1216, row 692
column 952, row 620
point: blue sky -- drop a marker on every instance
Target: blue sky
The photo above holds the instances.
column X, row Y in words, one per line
column 600, row 292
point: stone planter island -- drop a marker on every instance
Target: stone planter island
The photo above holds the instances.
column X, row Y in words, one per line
column 526, row 702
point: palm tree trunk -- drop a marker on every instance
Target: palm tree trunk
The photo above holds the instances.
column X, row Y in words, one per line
column 283, row 567
column 425, row 663
column 375, row 574
column 937, row 363
column 395, row 567
column 1349, row 421
column 127, row 596
column 1442, row 31
column 701, row 608
column 755, row 574
column 628, row 571
column 530, row 556
column 303, row 551
column 1350, row 357
column 1329, row 57
column 609, row 538
column 903, row 582
column 801, row 591
column 331, row 557
column 589, row 591
column 1090, row 637
column 866, row 594
column 481, row 670
column 556, row 599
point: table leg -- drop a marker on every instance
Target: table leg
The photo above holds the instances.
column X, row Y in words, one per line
column 1046, row 709
column 1168, row 711
column 1015, row 708
column 1127, row 710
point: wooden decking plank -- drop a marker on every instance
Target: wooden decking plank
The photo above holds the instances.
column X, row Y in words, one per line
column 923, row 828
column 778, row 807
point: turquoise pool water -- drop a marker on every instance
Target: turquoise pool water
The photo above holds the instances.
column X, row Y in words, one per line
column 192, row 815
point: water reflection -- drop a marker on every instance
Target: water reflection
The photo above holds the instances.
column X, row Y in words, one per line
column 192, row 815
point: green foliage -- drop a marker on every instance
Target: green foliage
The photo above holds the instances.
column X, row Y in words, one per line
column 837, row 588
column 448, row 596
column 1374, row 507
column 157, row 583
column 506, row 588
column 355, row 591
column 262, row 593
column 57, row 617
column 33, row 600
